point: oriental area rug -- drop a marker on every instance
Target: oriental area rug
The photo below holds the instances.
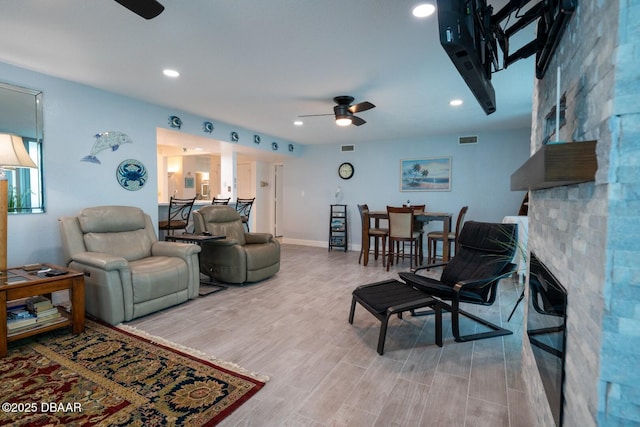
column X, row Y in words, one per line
column 116, row 376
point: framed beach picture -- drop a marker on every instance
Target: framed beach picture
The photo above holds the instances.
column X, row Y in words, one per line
column 428, row 174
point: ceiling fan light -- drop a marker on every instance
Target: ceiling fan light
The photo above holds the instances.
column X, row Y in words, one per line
column 343, row 121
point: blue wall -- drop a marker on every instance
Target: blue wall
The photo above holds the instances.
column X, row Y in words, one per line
column 480, row 179
column 74, row 113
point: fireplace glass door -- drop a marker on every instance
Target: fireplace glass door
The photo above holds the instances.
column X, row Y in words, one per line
column 546, row 326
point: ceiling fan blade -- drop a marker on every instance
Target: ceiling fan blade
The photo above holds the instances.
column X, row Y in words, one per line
column 147, row 9
column 315, row 115
column 355, row 120
column 363, row 106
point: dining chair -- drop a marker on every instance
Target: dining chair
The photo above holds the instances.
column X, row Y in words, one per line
column 243, row 206
column 418, row 226
column 434, row 237
column 178, row 216
column 401, row 220
column 220, row 201
column 374, row 233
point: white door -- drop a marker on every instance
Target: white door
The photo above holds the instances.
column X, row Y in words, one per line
column 278, row 201
column 245, row 187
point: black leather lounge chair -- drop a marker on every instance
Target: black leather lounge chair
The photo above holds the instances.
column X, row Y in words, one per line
column 471, row 276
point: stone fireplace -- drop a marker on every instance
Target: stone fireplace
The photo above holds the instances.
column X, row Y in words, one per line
column 588, row 234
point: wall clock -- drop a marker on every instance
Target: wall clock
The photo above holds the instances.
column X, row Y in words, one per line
column 345, row 170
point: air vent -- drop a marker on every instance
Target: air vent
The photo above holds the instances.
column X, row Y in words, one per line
column 347, row 148
column 468, row 139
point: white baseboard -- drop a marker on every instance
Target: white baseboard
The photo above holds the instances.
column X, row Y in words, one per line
column 315, row 243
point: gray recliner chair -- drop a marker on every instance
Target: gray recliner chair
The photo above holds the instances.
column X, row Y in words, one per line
column 240, row 257
column 128, row 272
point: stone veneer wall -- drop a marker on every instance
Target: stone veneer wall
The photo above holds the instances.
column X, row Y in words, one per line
column 588, row 234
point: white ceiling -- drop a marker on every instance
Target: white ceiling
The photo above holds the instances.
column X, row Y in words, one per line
column 259, row 64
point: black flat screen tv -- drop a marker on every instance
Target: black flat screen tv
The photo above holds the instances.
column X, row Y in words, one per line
column 462, row 26
column 470, row 34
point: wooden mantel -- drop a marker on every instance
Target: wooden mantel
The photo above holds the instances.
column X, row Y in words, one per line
column 555, row 165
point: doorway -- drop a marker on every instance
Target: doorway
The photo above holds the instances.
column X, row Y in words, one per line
column 278, row 199
column 245, row 181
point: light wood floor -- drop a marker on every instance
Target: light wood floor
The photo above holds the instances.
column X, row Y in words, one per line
column 326, row 372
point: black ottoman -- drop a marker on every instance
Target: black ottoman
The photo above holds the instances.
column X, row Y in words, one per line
column 383, row 299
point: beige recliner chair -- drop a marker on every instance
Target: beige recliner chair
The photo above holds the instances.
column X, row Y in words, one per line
column 128, row 272
column 240, row 257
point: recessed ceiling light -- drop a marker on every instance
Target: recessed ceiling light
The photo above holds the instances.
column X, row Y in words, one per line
column 423, row 10
column 455, row 102
column 170, row 73
column 298, row 123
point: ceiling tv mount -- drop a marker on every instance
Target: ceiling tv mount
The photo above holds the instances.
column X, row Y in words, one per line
column 471, row 35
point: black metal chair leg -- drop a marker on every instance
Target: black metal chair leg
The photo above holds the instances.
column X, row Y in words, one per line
column 383, row 335
column 438, row 311
column 516, row 306
column 496, row 331
column 353, row 310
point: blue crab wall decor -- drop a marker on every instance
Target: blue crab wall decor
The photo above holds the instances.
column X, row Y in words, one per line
column 131, row 175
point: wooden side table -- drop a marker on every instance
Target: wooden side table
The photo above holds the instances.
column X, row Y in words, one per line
column 198, row 239
column 17, row 283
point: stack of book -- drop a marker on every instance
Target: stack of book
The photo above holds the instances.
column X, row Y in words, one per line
column 31, row 313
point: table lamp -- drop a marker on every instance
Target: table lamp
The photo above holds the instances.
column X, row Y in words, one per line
column 12, row 155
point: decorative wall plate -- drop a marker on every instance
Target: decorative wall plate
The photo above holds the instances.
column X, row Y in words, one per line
column 175, row 122
column 256, row 139
column 131, row 175
column 274, row 146
column 207, row 127
column 291, row 147
column 234, row 137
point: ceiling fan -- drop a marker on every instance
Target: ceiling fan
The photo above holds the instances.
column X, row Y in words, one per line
column 344, row 111
column 148, row 9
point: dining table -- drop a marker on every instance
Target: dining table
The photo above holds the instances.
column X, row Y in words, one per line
column 423, row 217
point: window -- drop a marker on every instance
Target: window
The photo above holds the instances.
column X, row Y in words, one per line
column 22, row 115
column 25, row 185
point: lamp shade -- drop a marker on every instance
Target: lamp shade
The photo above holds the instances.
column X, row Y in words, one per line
column 13, row 153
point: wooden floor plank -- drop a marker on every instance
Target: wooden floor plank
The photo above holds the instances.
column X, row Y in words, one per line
column 481, row 413
column 404, row 405
column 326, row 399
column 326, row 372
column 447, row 401
column 488, row 374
